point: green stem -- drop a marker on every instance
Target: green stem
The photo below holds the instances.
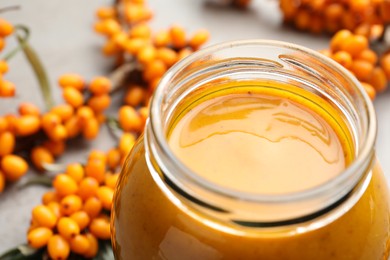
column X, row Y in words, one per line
column 37, row 67
column 24, row 39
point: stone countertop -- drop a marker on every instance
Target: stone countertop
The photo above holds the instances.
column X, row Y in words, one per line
column 63, row 36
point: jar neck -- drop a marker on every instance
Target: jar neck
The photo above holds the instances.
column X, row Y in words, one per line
column 272, row 62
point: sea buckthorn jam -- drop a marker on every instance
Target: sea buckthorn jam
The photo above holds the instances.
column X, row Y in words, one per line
column 265, row 157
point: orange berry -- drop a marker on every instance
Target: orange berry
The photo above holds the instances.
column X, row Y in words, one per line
column 73, row 97
column 105, row 12
column 155, row 69
column 91, row 129
column 64, row 185
column 72, row 127
column 105, row 195
column 97, row 155
column 135, row 13
column 58, row 133
column 362, row 69
column 68, row 228
column 56, row 148
column 88, row 188
column 141, row 30
column 111, row 180
column 44, row 217
column 113, row 158
column 99, row 103
column 100, row 227
column 338, row 39
column 344, row 58
column 133, row 46
column 385, row 64
column 368, row 55
column 3, row 124
column 2, row 44
column 370, row 90
column 126, row 143
column 81, row 218
column 39, row 237
column 75, row 171
column 162, row 38
column 199, row 38
column 111, row 48
column 49, row 121
column 144, row 113
column 28, row 109
column 41, row 156
column 93, row 207
column 55, row 207
column 84, row 113
column 184, row 53
column 110, row 27
column 134, row 96
column 79, row 244
column 95, row 169
column 2, row 181
column 178, row 36
column 49, row 196
column 10, row 121
column 167, row 55
column 7, row 89
column 100, row 85
column 71, row 80
column 58, row 248
column 355, row 44
column 378, row 79
column 146, row 54
column 63, row 111
column 129, row 119
column 5, row 28
column 71, row 204
column 7, row 143
column 27, row 125
column 93, row 246
column 13, row 166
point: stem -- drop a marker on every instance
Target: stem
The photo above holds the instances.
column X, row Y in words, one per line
column 119, row 75
column 37, row 67
column 18, row 48
column 9, row 8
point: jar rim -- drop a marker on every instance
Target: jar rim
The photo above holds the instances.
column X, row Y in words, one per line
column 364, row 154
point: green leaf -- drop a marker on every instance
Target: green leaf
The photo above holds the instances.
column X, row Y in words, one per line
column 36, row 65
column 42, row 180
column 24, row 38
column 22, row 252
column 105, row 251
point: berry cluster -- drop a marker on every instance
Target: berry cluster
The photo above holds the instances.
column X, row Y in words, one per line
column 7, row 88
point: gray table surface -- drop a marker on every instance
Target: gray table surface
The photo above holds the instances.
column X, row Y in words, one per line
column 62, row 35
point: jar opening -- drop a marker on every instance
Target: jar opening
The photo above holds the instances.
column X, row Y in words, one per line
column 269, row 61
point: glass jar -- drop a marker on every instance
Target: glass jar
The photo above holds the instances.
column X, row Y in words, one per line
column 163, row 210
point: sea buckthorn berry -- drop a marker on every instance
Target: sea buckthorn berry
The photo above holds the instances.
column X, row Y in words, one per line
column 64, row 185
column 72, row 127
column 2, row 44
column 141, row 30
column 84, row 113
column 79, row 244
column 99, row 103
column 95, row 169
column 344, row 58
column 126, row 143
column 338, row 39
column 93, row 246
column 73, row 97
column 184, row 53
column 368, row 55
column 50, row 196
column 81, row 218
column 355, row 44
column 28, row 109
column 39, row 237
column 3, row 124
column 111, row 180
column 146, row 54
column 105, row 12
column 2, row 181
column 27, row 125
column 97, row 155
column 91, row 129
column 362, row 69
column 49, row 121
column 13, row 166
column 101, row 118
column 110, row 48
column 155, row 69
column 100, row 227
column 370, row 90
column 105, row 195
column 71, row 80
column 144, row 113
column 68, row 228
column 385, row 64
column 167, row 55
column 41, row 156
column 3, row 67
column 75, row 171
column 162, row 38
column 93, row 207
column 129, row 119
column 100, row 85
column 58, row 133
column 178, row 36
column 119, row 40
column 113, row 158
column 135, row 96
column 63, row 111
column 71, row 204
column 44, row 217
column 199, row 38
column 378, row 79
column 7, row 89
column 56, row 148
column 133, row 46
column 88, row 188
column 135, row 13
column 10, row 122
column 55, row 207
column 7, row 143
column 110, row 27
column 303, row 20
column 58, row 248
column 5, row 28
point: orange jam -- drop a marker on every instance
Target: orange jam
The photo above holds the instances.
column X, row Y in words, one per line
column 260, row 138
